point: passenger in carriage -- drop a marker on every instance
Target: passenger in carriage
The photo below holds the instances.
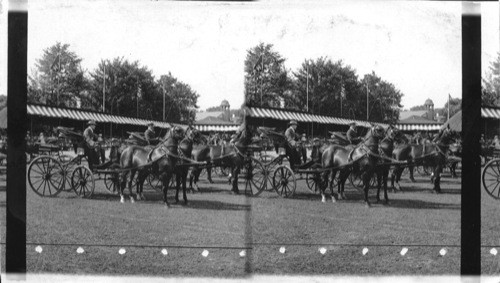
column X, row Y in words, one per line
column 496, row 143
column 352, row 134
column 303, row 150
column 149, row 134
column 417, row 138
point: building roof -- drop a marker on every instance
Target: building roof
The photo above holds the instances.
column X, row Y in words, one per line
column 224, row 103
column 417, row 120
column 212, row 121
column 428, row 102
column 406, row 114
column 287, row 115
column 202, row 115
column 455, row 122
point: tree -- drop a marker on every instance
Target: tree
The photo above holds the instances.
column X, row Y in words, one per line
column 266, row 79
column 3, row 101
column 129, row 89
column 324, row 87
column 58, row 78
column 181, row 101
column 384, row 100
column 455, row 106
column 491, row 84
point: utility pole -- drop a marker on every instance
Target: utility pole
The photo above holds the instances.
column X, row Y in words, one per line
column 367, row 102
column 163, row 88
column 104, row 88
column 307, row 86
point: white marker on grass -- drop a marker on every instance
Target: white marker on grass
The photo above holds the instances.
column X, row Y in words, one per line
column 243, row 253
column 122, row 251
column 164, row 252
column 365, row 251
column 322, row 250
column 204, row 253
column 38, row 249
column 442, row 252
column 493, row 251
column 79, row 250
column 404, row 251
column 282, row 250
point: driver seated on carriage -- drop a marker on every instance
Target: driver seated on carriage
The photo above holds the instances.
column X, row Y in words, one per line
column 149, row 134
column 352, row 134
column 291, row 138
column 92, row 146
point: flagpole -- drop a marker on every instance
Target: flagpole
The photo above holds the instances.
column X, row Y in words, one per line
column 104, row 88
column 307, row 86
column 448, row 107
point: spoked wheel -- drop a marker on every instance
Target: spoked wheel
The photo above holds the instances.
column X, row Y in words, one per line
column 68, row 164
column 357, row 181
column 154, row 182
column 46, row 176
column 82, row 182
column 491, row 178
column 255, row 177
column 265, row 158
column 284, row 181
column 313, row 182
column 112, row 182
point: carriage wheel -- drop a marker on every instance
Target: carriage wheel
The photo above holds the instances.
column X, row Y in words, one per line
column 111, row 182
column 154, row 182
column 223, row 171
column 284, row 182
column 255, row 177
column 313, row 182
column 357, row 181
column 68, row 164
column 82, row 182
column 491, row 178
column 46, row 176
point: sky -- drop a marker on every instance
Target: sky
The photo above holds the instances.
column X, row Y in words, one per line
column 414, row 45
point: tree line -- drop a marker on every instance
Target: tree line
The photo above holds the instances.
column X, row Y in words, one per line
column 321, row 86
column 124, row 87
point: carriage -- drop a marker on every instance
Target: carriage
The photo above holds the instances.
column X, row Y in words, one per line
column 48, row 175
column 490, row 178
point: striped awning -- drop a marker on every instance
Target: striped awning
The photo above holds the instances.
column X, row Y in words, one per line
column 217, row 128
column 83, row 115
column 489, row 112
column 419, row 127
column 287, row 115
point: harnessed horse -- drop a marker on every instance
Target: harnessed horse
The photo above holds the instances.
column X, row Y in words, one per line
column 432, row 154
column 347, row 160
column 161, row 158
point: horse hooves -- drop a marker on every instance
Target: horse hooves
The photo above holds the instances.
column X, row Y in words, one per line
column 333, row 199
column 367, row 205
column 211, row 182
column 234, row 192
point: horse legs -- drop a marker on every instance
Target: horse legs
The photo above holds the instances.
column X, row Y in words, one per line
column 132, row 175
column 379, row 183
column 323, row 184
column 437, row 178
column 184, row 180
column 209, row 175
column 166, row 181
column 410, row 168
column 123, row 183
column 366, row 185
column 384, row 182
column 177, row 186
column 235, row 172
column 343, row 175
column 334, row 173
column 140, row 184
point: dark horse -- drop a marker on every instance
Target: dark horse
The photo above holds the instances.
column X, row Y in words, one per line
column 232, row 156
column 161, row 158
column 385, row 148
column 361, row 159
column 427, row 154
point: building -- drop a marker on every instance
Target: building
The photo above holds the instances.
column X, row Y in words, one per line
column 419, row 120
column 223, row 120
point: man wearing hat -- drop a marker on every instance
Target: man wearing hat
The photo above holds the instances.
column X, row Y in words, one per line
column 291, row 136
column 91, row 142
column 352, row 134
column 149, row 134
